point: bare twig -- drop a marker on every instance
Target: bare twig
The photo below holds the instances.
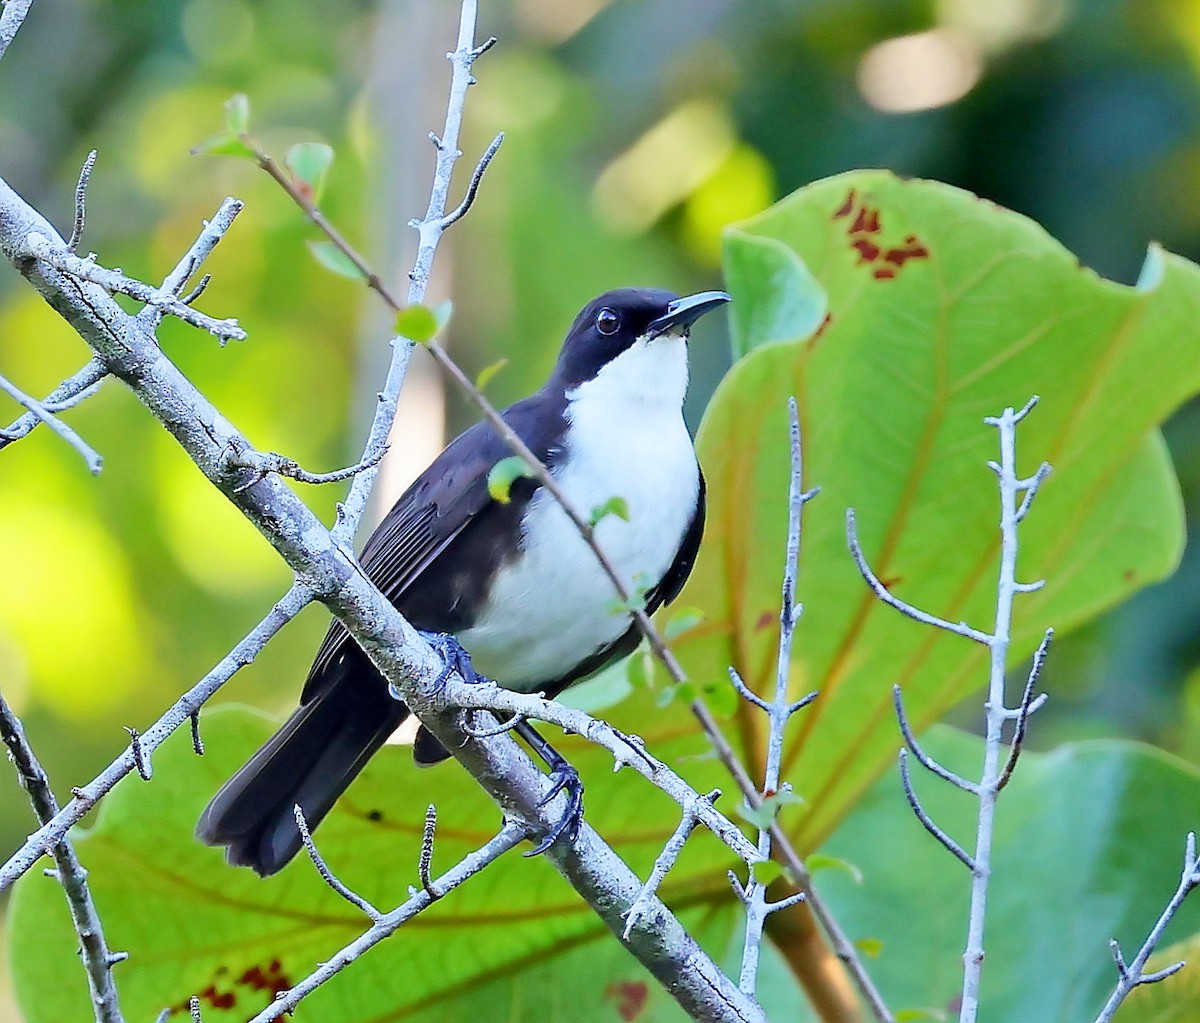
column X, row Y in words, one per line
column 70, row 392
column 425, row 862
column 924, row 758
column 387, row 924
column 262, row 462
column 626, row 753
column 85, row 175
column 211, row 233
column 884, row 594
column 93, row 949
column 1132, row 975
column 86, row 797
column 911, row 795
column 662, row 864
column 94, row 462
column 11, row 18
column 993, row 777
column 327, row 875
column 40, row 247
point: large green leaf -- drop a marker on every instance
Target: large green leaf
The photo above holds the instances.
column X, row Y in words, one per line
column 1089, row 845
column 943, row 309
column 513, row 942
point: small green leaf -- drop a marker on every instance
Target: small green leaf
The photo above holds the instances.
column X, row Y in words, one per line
column 915, row 1015
column 617, row 506
column 419, row 323
column 442, row 313
column 763, row 816
column 309, row 163
column 639, row 669
column 504, row 474
column 237, row 113
column 871, row 947
column 488, row 373
column 722, row 698
column 767, row 871
column 684, row 691
column 683, row 619
column 819, row 861
column 334, row 259
column 225, row 144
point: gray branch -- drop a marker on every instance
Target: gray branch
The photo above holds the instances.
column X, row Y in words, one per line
column 98, row 961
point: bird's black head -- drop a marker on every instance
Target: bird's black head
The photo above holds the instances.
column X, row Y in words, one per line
column 614, row 322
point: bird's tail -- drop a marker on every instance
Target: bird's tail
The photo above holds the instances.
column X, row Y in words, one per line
column 310, row 761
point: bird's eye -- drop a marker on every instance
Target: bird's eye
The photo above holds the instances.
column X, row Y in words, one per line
column 607, row 322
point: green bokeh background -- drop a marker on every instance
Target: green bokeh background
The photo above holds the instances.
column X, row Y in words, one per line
column 636, row 130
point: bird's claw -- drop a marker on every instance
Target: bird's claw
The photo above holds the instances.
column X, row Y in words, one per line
column 564, row 778
column 454, row 657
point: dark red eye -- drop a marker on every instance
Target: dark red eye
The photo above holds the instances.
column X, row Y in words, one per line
column 607, row 322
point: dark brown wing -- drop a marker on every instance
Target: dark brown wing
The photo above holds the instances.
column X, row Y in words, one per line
column 438, row 518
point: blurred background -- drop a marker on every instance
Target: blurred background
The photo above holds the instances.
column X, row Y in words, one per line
column 635, row 131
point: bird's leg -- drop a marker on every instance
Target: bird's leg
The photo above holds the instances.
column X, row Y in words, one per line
column 564, row 776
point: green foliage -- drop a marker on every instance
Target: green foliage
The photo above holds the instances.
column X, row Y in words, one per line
column 504, row 474
column 615, row 506
column 334, row 259
column 309, row 163
column 421, row 324
column 942, row 310
column 1088, row 847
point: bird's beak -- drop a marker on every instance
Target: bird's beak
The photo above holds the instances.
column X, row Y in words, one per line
column 683, row 312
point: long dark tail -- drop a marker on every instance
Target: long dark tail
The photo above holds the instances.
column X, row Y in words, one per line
column 311, row 761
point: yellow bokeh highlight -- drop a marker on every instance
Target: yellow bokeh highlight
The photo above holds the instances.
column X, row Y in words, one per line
column 664, row 166
column 68, row 604
column 211, row 540
column 741, row 187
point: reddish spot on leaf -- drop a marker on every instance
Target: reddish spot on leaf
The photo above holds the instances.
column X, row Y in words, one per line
column 845, row 209
column 912, row 249
column 764, row 621
column 867, row 222
column 209, row 996
column 630, row 996
column 884, row 273
column 867, row 250
column 1129, row 575
column 270, row 980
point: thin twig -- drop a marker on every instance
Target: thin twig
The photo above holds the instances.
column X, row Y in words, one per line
column 924, row 758
column 1133, row 975
column 511, row 836
column 1026, row 707
column 425, row 862
column 11, row 18
column 87, row 796
column 662, row 864
column 71, row 391
column 40, row 247
column 327, row 875
column 94, row 462
column 884, row 594
column 97, row 959
column 260, row 463
column 85, row 175
column 928, row 822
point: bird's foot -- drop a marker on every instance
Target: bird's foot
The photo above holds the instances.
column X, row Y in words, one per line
column 454, row 658
column 564, row 778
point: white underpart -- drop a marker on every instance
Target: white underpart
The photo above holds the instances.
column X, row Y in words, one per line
column 553, row 606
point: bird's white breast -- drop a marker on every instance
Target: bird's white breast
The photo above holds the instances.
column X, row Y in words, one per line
column 553, row 605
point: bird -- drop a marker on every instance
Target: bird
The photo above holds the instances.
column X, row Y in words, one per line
column 511, row 583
